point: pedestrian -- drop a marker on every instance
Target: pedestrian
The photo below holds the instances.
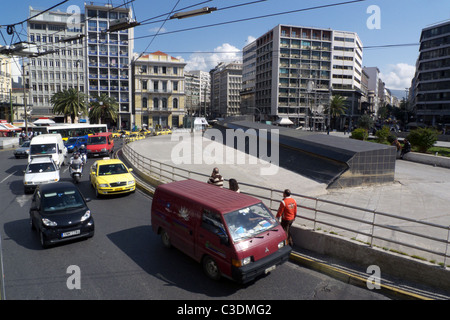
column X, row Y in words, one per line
column 234, row 186
column 215, row 178
column 287, row 212
column 406, row 148
column 398, row 146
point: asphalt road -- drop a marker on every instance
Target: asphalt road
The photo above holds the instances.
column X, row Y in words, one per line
column 125, row 259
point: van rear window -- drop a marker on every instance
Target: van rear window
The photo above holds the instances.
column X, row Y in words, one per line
column 43, row 148
column 250, row 221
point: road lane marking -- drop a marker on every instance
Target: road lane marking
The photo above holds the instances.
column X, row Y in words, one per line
column 8, row 177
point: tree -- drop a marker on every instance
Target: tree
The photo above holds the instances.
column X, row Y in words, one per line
column 69, row 102
column 103, row 108
column 336, row 108
column 423, row 138
column 365, row 122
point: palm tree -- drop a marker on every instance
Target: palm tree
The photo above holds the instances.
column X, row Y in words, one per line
column 69, row 102
column 103, row 108
column 337, row 107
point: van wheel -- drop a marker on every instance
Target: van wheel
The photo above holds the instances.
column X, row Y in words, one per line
column 210, row 267
column 165, row 239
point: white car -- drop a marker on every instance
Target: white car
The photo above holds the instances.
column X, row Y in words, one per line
column 40, row 170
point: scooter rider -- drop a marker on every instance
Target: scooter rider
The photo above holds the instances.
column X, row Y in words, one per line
column 76, row 160
column 83, row 153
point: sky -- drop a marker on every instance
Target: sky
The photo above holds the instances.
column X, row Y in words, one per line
column 389, row 29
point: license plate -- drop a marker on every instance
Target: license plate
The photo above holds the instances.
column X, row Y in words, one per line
column 95, row 154
column 270, row 269
column 70, row 233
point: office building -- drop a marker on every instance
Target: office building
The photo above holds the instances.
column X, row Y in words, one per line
column 108, row 55
column 248, row 80
column 62, row 68
column 226, row 85
column 198, row 91
column 299, row 68
column 159, row 90
column 432, row 79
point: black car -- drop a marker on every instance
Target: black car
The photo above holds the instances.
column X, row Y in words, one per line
column 59, row 213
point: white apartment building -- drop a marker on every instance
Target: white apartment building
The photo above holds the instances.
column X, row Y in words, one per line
column 226, row 85
column 298, row 69
column 63, row 68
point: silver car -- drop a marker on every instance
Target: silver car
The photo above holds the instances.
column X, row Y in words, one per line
column 23, row 150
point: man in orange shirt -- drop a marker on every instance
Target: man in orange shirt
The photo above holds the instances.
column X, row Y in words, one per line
column 287, row 212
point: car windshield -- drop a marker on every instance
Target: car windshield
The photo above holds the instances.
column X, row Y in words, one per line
column 109, row 169
column 72, row 140
column 41, row 167
column 62, row 200
column 43, row 148
column 25, row 144
column 97, row 140
column 249, row 222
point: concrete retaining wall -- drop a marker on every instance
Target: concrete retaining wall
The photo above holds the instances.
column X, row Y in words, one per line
column 363, row 255
column 7, row 143
column 424, row 158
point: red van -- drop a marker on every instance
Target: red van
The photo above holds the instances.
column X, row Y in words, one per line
column 231, row 234
column 100, row 144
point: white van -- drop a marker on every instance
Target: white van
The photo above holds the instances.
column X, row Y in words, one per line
column 49, row 144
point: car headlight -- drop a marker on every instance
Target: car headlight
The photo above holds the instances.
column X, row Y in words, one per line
column 104, row 150
column 103, row 185
column 49, row 223
column 86, row 216
column 130, row 182
column 281, row 244
column 240, row 263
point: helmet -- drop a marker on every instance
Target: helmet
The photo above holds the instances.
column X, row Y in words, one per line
column 75, row 156
column 82, row 146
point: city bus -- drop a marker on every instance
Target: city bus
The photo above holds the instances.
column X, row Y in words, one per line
column 75, row 129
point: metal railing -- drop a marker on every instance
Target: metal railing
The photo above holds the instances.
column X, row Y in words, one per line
column 375, row 228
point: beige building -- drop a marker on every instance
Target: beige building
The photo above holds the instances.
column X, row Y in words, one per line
column 159, row 96
column 5, row 87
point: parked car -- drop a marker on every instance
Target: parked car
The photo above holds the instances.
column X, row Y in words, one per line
column 74, row 143
column 39, row 171
column 59, row 213
column 111, row 176
column 23, row 150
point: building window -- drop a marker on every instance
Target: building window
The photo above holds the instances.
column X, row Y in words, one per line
column 155, row 103
column 175, row 103
column 144, row 103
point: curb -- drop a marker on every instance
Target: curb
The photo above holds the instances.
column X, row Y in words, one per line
column 353, row 278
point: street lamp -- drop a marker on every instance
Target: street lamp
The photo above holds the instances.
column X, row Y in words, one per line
column 193, row 13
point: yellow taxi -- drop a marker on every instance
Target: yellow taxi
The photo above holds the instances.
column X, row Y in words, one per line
column 111, row 176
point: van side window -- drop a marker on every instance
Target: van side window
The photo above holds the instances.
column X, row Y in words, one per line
column 211, row 222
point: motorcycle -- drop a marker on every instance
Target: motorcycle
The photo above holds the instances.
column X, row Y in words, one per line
column 76, row 170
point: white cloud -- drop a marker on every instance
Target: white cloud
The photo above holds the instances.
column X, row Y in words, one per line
column 398, row 76
column 249, row 40
column 206, row 61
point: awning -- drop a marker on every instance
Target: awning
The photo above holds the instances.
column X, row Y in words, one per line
column 4, row 126
column 284, row 122
column 43, row 122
